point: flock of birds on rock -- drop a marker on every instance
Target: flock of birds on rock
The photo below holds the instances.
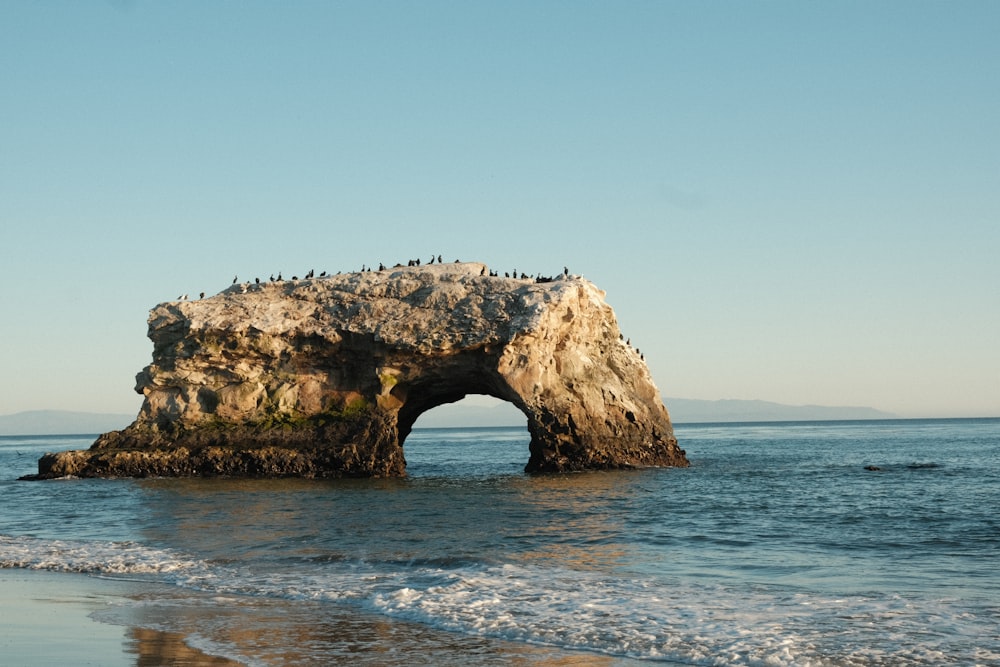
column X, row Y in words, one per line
column 538, row 278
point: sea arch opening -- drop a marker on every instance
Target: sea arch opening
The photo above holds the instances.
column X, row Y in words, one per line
column 447, row 384
column 476, row 436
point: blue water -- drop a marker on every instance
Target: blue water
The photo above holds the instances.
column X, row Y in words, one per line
column 776, row 547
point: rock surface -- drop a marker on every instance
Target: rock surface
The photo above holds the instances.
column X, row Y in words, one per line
column 326, row 377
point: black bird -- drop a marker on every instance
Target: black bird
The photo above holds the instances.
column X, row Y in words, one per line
column 234, row 279
column 565, row 271
column 257, row 280
column 272, row 277
column 279, row 276
column 439, row 259
column 201, row 296
column 323, row 275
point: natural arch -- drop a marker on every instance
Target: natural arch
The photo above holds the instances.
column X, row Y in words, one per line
column 327, row 376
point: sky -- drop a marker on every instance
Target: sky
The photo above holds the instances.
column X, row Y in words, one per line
column 788, row 201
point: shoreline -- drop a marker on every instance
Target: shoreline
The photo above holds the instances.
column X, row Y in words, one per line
column 49, row 619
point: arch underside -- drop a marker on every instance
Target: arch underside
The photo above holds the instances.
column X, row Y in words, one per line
column 431, row 391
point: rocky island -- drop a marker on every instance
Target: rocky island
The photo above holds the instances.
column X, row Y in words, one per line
column 326, row 376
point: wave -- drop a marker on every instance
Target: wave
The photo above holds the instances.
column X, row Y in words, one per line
column 659, row 620
column 688, row 624
column 32, row 553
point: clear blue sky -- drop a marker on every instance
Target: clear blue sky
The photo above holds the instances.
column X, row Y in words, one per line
column 789, row 201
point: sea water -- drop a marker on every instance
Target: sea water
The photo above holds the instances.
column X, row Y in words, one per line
column 824, row 543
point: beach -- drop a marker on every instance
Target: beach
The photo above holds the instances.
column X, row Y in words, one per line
column 48, row 619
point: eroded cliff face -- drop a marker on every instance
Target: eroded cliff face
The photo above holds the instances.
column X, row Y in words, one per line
column 326, row 376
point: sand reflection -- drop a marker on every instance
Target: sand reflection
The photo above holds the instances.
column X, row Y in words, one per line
column 276, row 632
column 154, row 648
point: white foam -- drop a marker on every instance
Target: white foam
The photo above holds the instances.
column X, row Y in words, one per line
column 707, row 625
column 90, row 557
column 681, row 621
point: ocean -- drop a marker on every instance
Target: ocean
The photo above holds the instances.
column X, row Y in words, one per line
column 778, row 546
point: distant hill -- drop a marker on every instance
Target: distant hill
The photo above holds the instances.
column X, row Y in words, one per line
column 61, row 422
column 485, row 411
column 476, row 411
column 688, row 410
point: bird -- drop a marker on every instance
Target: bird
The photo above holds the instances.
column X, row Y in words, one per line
column 234, row 279
column 257, row 280
column 201, row 295
column 323, row 275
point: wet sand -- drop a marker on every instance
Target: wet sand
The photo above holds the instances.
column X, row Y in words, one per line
column 46, row 619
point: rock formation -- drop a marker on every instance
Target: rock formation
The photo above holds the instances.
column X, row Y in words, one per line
column 326, row 377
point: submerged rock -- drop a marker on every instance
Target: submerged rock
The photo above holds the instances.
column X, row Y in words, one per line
column 326, row 377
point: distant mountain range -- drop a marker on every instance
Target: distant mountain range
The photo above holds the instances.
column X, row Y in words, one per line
column 689, row 410
column 682, row 410
column 466, row 414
